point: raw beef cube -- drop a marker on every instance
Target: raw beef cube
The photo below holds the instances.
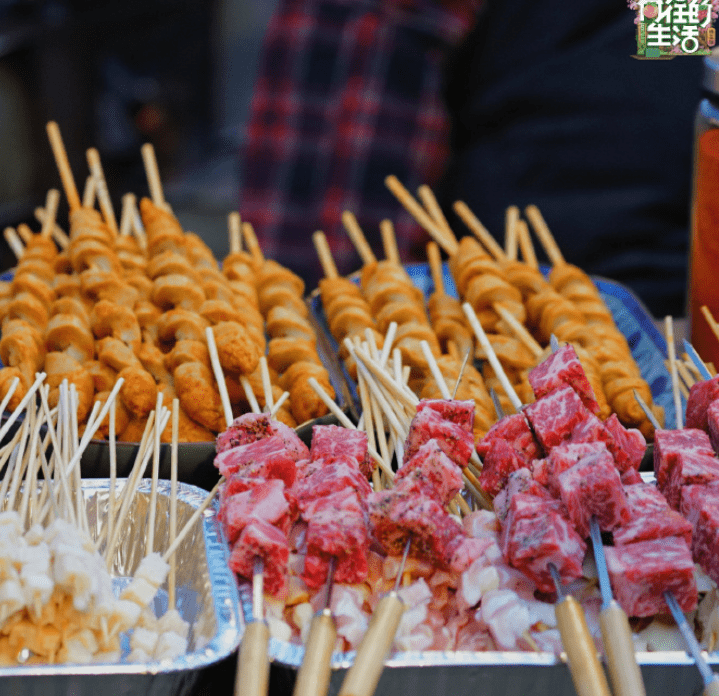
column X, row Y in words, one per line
column 705, row 543
column 630, row 476
column 263, row 540
column 237, row 483
column 268, row 458
column 516, row 430
column 519, row 481
column 563, row 369
column 331, row 478
column 251, row 427
column 669, row 443
column 432, row 472
column 554, row 416
column 628, row 445
column 541, row 471
column 700, row 396
column 541, row 539
column 331, row 441
column 641, row 572
column 456, row 442
column 396, row 515
column 713, row 423
column 526, row 506
column 459, row 412
column 690, row 469
column 565, row 456
column 501, row 460
column 336, row 527
column 651, row 517
column 592, row 487
column 696, row 498
column 266, row 501
column 591, row 429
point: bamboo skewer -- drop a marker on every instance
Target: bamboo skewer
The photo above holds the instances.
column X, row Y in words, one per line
column 89, row 192
column 63, row 165
column 155, row 477
column 354, row 232
column 103, row 195
column 480, row 231
column 172, row 577
column 325, row 255
column 525, row 245
column 234, row 226
column 248, row 232
column 669, row 330
column 435, row 211
column 14, row 242
column 152, row 172
column 389, row 241
column 219, row 376
column 511, row 218
column 51, row 203
column 542, row 231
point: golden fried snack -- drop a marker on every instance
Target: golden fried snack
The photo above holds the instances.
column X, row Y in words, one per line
column 449, row 323
column 60, row 366
column 179, row 324
column 103, row 376
column 29, row 308
column 27, row 281
column 170, row 262
column 163, row 231
column 138, row 391
column 175, row 291
column 107, row 285
column 113, row 352
column 122, row 416
column 199, row 254
column 67, row 285
column 283, row 323
column 188, row 429
column 110, row 319
column 70, row 305
column 200, row 399
column 187, row 351
column 153, row 360
column 7, row 376
column 285, row 352
column 215, row 311
column 235, row 348
column 71, row 334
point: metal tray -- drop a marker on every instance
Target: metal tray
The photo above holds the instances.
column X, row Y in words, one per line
column 206, row 597
column 633, row 319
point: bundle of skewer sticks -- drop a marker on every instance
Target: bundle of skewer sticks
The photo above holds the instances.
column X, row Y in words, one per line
column 566, row 304
column 57, row 602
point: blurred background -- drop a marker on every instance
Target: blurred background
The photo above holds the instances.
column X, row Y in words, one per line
column 177, row 73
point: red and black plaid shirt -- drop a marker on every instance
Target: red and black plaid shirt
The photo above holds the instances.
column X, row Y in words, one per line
column 348, row 92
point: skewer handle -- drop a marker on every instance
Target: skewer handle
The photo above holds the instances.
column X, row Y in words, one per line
column 253, row 666
column 624, row 672
column 364, row 674
column 313, row 679
column 587, row 673
column 712, row 688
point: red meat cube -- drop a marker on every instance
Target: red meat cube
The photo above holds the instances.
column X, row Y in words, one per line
column 563, row 369
column 630, row 476
column 627, row 446
column 268, row 458
column 331, row 478
column 669, row 443
column 565, row 456
column 519, row 481
column 432, row 473
column 592, row 487
column 456, row 442
column 691, row 468
column 705, row 541
column 591, row 429
column 251, row 427
column 700, row 396
column 651, row 517
column 263, row 540
column 501, row 460
column 541, row 471
column 266, row 502
column 555, row 416
column 336, row 527
column 541, row 539
column 516, row 430
column 696, row 498
column 459, row 412
column 526, row 506
column 641, row 572
column 332, row 441
column 235, row 484
column 713, row 423
column 396, row 515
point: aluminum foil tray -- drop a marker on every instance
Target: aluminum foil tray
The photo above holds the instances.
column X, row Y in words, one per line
column 206, row 597
column 633, row 319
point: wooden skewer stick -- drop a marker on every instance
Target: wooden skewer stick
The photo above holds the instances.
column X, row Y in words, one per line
column 152, row 171
column 671, row 352
column 57, row 233
column 435, row 267
column 450, row 245
column 491, row 356
column 278, row 404
column 39, row 378
column 426, row 195
column 103, row 195
column 248, row 232
column 128, row 212
column 511, row 218
column 354, row 232
column 25, row 233
column 113, row 479
column 266, row 384
column 219, row 376
column 63, row 165
column 155, row 477
column 250, row 394
column 711, row 321
column 172, row 578
column 234, row 226
column 519, row 330
column 479, row 231
column 51, row 202
column 389, row 241
column 329, row 267
column 541, row 229
column 14, row 242
column 89, row 192
column 525, row 244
